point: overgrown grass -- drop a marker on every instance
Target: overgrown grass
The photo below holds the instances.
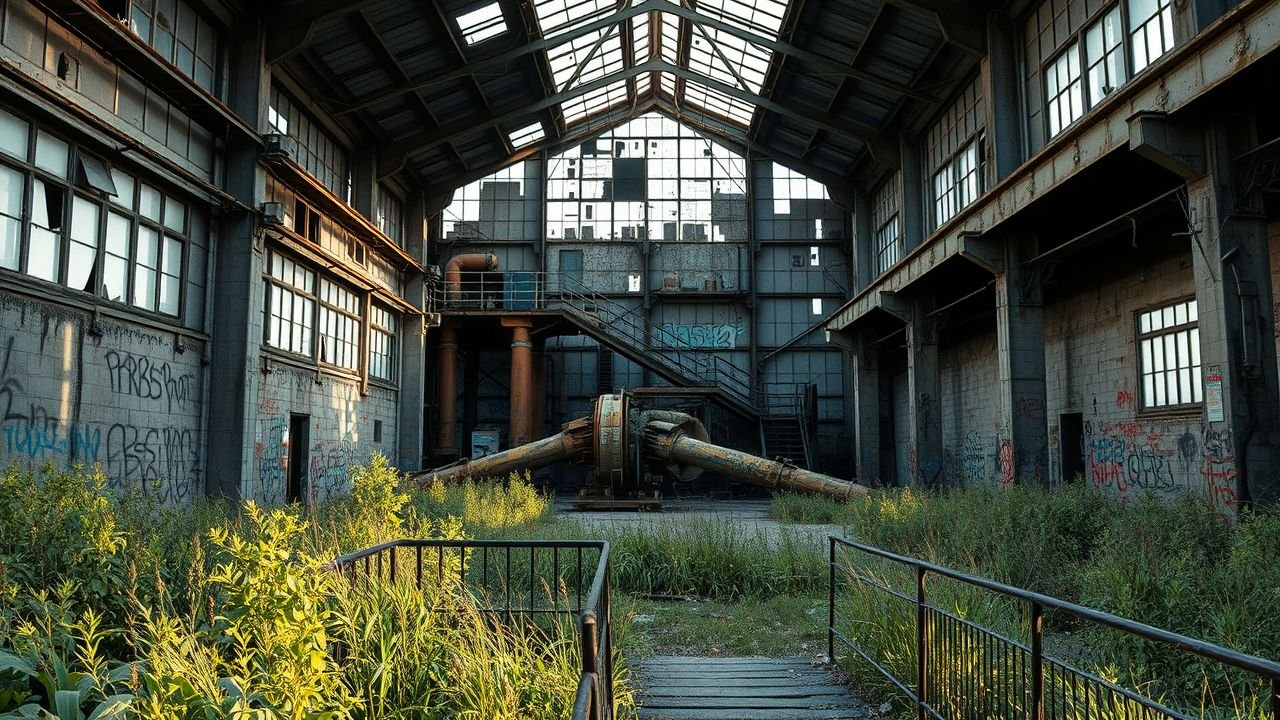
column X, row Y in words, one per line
column 114, row 608
column 1172, row 564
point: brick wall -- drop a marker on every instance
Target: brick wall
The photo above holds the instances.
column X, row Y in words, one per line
column 970, row 409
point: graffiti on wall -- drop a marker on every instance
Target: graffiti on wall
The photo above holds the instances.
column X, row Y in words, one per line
column 164, row 462
column 271, row 450
column 720, row 337
column 330, row 461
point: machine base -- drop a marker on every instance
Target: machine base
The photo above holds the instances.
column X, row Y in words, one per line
column 611, row 502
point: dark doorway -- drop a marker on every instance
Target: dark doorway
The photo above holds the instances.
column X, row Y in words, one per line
column 1071, row 445
column 299, row 441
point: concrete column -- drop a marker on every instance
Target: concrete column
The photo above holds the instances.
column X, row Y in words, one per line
column 447, row 395
column 1240, row 445
column 914, row 210
column 1001, row 92
column 235, row 363
column 866, row 413
column 1023, row 454
column 364, row 182
column 864, row 244
column 539, row 394
column 413, row 355
column 522, row 383
column 925, row 383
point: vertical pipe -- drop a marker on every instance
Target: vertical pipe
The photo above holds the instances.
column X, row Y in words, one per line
column 831, row 600
column 522, row 388
column 447, row 400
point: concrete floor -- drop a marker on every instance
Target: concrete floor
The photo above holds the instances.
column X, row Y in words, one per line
column 753, row 515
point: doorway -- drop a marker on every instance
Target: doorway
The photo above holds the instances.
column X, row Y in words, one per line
column 299, row 441
column 1071, row 446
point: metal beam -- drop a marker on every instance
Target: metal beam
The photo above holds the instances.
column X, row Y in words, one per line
column 838, row 95
column 427, row 140
column 505, row 58
column 595, row 48
column 957, row 21
column 292, row 23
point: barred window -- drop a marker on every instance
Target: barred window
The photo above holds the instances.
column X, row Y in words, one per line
column 339, row 325
column 319, row 153
column 1152, row 30
column 885, row 216
column 291, row 305
column 1169, row 353
column 95, row 229
column 958, row 183
column 382, row 343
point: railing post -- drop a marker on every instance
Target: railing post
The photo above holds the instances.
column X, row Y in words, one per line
column 922, row 665
column 590, row 655
column 831, row 601
column 1275, row 697
column 1037, row 661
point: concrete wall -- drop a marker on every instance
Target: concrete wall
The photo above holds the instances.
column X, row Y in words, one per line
column 78, row 390
column 970, row 409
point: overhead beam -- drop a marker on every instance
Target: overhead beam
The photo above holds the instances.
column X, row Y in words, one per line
column 291, row 24
column 447, row 133
column 959, row 23
column 822, row 62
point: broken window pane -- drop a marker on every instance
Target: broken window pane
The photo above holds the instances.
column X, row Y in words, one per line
column 82, row 260
column 482, row 23
column 146, row 268
column 44, row 252
column 115, row 264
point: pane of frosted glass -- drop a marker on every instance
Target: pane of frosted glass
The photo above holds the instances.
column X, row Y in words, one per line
column 1146, row 356
column 170, row 289
column 118, row 227
column 1184, row 386
column 1193, row 314
column 124, row 188
column 43, row 254
column 10, row 235
column 51, row 154
column 172, row 256
column 1180, row 313
column 1157, row 355
column 1157, row 320
column 115, row 277
column 1148, row 391
column 1144, row 323
column 81, row 261
column 175, row 215
column 1195, row 347
column 1170, row 352
column 14, row 133
column 1160, row 397
column 84, row 221
column 149, row 202
column 1197, row 389
column 12, row 191
column 144, row 288
column 148, row 247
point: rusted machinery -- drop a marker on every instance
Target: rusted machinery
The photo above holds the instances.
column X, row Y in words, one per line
column 628, row 445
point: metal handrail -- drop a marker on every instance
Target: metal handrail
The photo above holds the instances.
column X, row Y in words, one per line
column 1267, row 670
column 593, row 614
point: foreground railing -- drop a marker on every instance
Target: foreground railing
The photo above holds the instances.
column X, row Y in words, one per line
column 964, row 670
column 514, row 580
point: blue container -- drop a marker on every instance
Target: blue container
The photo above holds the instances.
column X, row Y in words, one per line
column 520, row 292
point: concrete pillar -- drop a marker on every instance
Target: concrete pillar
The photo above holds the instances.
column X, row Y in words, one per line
column 925, row 384
column 539, row 394
column 413, row 355
column 864, row 243
column 522, row 383
column 235, row 363
column 1240, row 445
column 1001, row 91
column 914, row 210
column 447, row 395
column 866, row 412
column 364, row 183
column 1023, row 454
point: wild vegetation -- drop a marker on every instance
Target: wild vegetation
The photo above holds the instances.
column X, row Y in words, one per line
column 114, row 608
column 1171, row 564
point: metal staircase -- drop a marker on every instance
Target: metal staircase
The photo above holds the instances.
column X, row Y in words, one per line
column 626, row 331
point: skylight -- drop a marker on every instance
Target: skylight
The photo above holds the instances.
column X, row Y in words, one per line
column 527, row 135
column 481, row 24
column 725, row 58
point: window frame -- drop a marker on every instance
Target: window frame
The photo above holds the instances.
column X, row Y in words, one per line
column 950, row 166
column 376, row 327
column 105, row 204
column 361, row 344
column 1195, row 371
column 882, row 220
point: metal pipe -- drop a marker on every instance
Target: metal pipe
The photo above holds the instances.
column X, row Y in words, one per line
column 522, row 383
column 447, row 390
column 668, row 444
column 469, row 262
column 571, row 444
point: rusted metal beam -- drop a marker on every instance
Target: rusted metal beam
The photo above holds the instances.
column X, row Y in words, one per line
column 962, row 24
column 838, row 95
column 293, row 22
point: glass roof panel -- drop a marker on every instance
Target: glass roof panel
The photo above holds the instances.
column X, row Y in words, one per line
column 558, row 16
column 668, row 84
column 717, row 103
column 670, row 37
column 482, row 23
column 566, row 58
column 761, row 16
column 527, row 135
column 596, row 101
column 643, row 83
column 748, row 61
column 640, row 38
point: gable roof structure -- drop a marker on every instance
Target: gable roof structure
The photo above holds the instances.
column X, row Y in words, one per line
column 455, row 89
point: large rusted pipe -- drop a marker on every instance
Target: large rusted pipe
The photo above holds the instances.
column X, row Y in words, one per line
column 467, row 262
column 668, row 444
column 521, row 380
column 571, row 444
column 447, row 419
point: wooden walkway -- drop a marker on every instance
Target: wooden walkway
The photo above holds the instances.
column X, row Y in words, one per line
column 740, row 688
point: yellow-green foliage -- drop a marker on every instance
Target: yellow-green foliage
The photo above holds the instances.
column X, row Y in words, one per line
column 485, row 506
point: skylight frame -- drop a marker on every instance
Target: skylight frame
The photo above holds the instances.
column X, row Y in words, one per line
column 565, row 58
column 483, row 23
column 710, row 101
column 595, row 102
column 527, row 135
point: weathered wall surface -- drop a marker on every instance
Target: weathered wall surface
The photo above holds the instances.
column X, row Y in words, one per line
column 970, row 411
column 341, row 431
column 76, row 390
column 1092, row 369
